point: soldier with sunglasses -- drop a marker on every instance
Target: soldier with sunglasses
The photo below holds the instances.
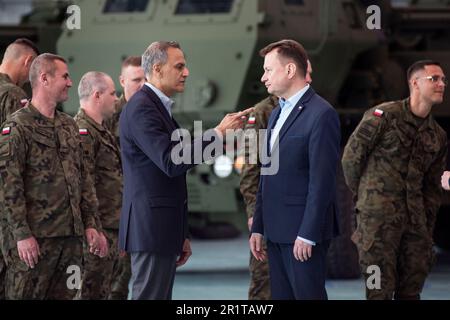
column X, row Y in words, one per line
column 393, row 164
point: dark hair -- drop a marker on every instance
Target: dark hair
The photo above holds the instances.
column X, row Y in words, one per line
column 289, row 49
column 420, row 65
column 27, row 43
column 134, row 61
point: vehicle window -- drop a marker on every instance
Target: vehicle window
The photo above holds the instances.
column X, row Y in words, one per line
column 119, row 6
column 294, row 2
column 203, row 6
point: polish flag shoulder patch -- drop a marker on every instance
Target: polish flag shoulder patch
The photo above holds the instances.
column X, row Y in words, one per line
column 6, row 130
column 24, row 102
column 378, row 113
column 83, row 132
column 251, row 120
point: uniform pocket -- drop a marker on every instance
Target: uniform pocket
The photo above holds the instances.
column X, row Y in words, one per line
column 44, row 154
column 5, row 150
column 367, row 228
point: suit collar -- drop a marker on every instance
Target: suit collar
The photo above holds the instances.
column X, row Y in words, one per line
column 298, row 109
column 154, row 97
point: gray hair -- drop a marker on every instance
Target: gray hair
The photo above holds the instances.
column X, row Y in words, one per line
column 90, row 82
column 156, row 53
column 44, row 63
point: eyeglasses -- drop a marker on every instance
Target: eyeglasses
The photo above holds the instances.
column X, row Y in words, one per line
column 435, row 79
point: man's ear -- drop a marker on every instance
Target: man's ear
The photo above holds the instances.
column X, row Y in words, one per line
column 291, row 70
column 122, row 81
column 156, row 69
column 43, row 78
column 28, row 60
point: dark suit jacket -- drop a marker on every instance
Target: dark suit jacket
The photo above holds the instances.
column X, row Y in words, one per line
column 154, row 207
column 300, row 200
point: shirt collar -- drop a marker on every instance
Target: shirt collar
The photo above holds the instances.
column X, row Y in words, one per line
column 5, row 78
column 292, row 101
column 91, row 121
column 166, row 101
column 428, row 122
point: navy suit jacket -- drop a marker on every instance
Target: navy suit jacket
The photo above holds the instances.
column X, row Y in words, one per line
column 154, row 207
column 300, row 200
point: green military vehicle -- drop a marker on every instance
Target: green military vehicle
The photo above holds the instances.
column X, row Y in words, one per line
column 359, row 59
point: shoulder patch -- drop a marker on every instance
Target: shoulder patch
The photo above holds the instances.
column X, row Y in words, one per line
column 378, row 113
column 83, row 132
column 24, row 102
column 6, row 131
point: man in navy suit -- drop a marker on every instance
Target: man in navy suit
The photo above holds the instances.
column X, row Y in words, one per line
column 296, row 210
column 153, row 223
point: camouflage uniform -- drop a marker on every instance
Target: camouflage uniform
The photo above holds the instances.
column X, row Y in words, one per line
column 10, row 101
column 10, row 97
column 393, row 163
column 102, row 160
column 45, row 194
column 122, row 273
column 259, row 270
column 112, row 124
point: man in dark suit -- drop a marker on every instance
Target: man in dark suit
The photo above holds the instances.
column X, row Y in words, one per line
column 295, row 208
column 153, row 224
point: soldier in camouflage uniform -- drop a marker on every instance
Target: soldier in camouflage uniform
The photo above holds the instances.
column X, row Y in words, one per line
column 46, row 199
column 259, row 270
column 14, row 72
column 13, row 75
column 101, row 157
column 393, row 163
column 131, row 79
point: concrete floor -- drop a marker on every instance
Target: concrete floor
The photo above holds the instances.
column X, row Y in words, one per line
column 218, row 270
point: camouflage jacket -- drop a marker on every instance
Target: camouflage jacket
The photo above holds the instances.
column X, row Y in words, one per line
column 250, row 172
column 393, row 162
column 101, row 157
column 10, row 97
column 44, row 190
column 112, row 124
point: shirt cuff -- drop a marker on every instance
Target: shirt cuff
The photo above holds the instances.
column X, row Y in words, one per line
column 307, row 241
